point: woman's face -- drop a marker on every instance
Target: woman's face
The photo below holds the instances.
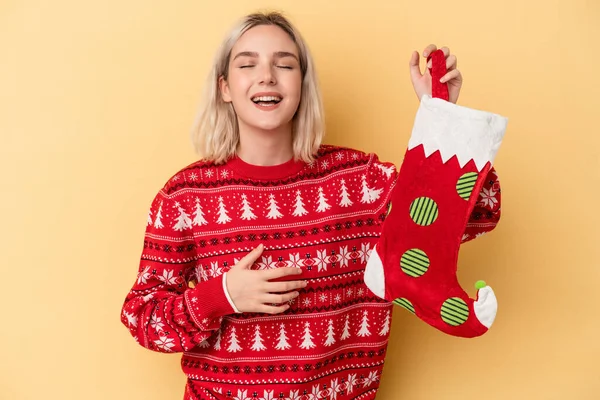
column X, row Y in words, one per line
column 264, row 81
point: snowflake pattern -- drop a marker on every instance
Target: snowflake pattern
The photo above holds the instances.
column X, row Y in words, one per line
column 165, row 343
column 331, row 390
column 131, row 319
column 488, row 198
column 144, row 276
column 322, row 260
column 215, row 270
column 168, row 278
column 371, row 378
column 156, row 323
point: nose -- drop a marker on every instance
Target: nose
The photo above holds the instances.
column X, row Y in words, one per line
column 266, row 75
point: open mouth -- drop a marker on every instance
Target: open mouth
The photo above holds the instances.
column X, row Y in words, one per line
column 266, row 101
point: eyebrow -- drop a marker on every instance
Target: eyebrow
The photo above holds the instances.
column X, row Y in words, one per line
column 278, row 54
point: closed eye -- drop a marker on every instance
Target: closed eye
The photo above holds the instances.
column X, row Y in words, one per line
column 284, row 66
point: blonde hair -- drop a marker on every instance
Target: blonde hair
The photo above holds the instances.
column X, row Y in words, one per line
column 215, row 134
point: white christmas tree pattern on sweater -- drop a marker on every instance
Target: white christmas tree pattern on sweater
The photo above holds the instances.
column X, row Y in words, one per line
column 273, row 208
column 386, row 324
column 344, row 196
column 183, row 219
column 258, row 345
column 322, row 201
column 307, row 342
column 388, row 171
column 234, row 344
column 158, row 221
column 364, row 326
column 330, row 339
column 247, row 210
column 282, row 342
column 131, row 319
column 299, row 209
column 217, row 345
column 223, row 217
column 346, row 331
column 369, row 195
column 199, row 215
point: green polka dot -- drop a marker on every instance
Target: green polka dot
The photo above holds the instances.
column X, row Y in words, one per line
column 480, row 284
column 455, row 311
column 414, row 262
column 402, row 302
column 465, row 184
column 424, row 211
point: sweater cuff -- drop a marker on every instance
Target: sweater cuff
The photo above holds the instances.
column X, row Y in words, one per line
column 207, row 301
column 227, row 294
column 454, row 130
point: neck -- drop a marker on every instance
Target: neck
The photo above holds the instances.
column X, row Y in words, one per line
column 265, row 148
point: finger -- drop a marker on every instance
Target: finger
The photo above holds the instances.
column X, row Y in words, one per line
column 280, row 272
column 279, row 287
column 247, row 261
column 278, row 298
column 451, row 62
column 413, row 65
column 273, row 309
column 429, row 49
column 446, row 51
column 454, row 74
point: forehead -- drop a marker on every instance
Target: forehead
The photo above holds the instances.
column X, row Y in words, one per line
column 265, row 38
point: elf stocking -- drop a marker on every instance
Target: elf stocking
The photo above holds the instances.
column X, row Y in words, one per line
column 414, row 262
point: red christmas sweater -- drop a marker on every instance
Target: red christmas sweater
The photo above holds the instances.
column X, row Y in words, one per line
column 324, row 218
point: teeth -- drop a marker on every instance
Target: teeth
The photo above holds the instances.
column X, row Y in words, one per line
column 266, row 98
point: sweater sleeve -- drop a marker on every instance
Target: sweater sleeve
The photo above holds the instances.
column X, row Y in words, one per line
column 162, row 312
column 486, row 213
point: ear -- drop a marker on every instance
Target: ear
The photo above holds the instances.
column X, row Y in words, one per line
column 224, row 88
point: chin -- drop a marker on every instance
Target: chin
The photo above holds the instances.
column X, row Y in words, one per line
column 270, row 125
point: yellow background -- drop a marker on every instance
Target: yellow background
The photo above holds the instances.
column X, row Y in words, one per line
column 96, row 102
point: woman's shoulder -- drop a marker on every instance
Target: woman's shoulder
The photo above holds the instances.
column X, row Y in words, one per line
column 331, row 158
column 334, row 154
column 197, row 174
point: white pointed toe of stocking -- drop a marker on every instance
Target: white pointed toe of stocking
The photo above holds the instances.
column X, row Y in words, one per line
column 486, row 306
